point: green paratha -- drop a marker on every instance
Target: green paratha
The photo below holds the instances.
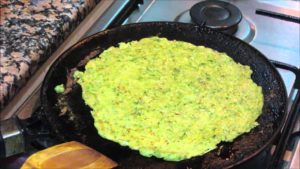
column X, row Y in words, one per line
column 169, row 99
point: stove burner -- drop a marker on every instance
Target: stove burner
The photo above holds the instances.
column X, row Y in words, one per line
column 245, row 29
column 218, row 15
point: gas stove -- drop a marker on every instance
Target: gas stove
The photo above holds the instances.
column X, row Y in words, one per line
column 272, row 27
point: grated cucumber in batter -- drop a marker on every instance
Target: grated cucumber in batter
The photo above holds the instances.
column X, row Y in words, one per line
column 169, row 99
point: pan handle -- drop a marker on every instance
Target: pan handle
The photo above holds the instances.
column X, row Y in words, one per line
column 12, row 139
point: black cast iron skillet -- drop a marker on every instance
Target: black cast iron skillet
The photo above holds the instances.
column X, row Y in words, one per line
column 78, row 123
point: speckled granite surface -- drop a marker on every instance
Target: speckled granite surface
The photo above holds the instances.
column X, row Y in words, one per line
column 30, row 30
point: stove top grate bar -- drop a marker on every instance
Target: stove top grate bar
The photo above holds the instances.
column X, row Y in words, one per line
column 278, row 15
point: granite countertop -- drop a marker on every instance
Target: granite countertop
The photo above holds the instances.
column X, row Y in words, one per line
column 30, row 30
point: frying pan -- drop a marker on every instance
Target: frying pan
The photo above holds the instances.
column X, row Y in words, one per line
column 78, row 123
